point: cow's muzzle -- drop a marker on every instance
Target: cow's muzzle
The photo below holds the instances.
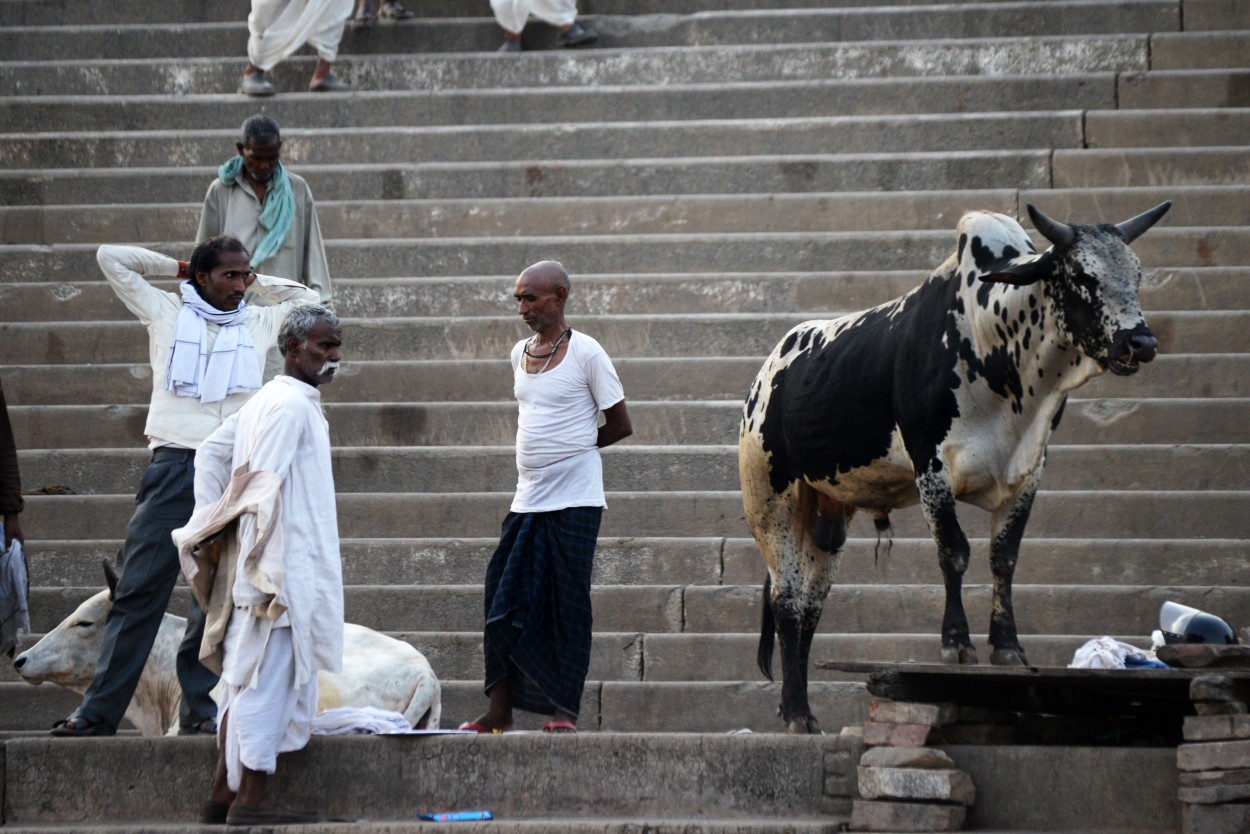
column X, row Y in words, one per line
column 1130, row 348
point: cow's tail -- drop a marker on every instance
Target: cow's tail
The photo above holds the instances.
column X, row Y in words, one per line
column 768, row 631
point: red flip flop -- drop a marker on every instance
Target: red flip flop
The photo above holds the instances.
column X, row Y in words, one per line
column 559, row 727
column 477, row 728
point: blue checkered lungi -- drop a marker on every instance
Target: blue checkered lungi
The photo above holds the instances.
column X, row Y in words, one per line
column 538, row 620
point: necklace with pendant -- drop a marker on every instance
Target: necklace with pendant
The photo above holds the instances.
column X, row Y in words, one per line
column 548, row 356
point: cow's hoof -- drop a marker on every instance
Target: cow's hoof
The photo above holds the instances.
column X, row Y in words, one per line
column 959, row 655
column 1009, row 657
column 804, row 726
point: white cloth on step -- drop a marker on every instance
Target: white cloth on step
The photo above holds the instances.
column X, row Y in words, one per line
column 512, row 14
column 1104, row 653
column 277, row 28
column 342, row 721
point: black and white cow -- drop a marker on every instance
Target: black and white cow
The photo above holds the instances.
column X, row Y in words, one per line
column 948, row 393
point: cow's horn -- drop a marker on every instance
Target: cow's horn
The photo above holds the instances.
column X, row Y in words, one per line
column 110, row 578
column 1131, row 230
column 1054, row 231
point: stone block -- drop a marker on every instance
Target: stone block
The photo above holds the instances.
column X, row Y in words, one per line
column 913, row 783
column 1205, row 778
column 905, row 712
column 914, row 757
column 895, row 735
column 1217, row 689
column 1213, row 755
column 1214, row 819
column 1214, row 794
column 843, row 786
column 1216, row 727
column 1220, row 708
column 906, row 816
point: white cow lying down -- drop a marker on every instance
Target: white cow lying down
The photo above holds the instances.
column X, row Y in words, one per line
column 378, row 671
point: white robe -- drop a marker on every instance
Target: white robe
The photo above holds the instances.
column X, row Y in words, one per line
column 277, row 28
column 281, row 430
column 512, row 14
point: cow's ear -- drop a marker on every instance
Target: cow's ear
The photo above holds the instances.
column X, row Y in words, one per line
column 110, row 577
column 1020, row 275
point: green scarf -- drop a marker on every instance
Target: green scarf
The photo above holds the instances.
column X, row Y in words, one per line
column 276, row 217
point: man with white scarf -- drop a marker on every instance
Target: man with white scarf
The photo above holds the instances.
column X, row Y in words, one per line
column 280, row 586
column 207, row 348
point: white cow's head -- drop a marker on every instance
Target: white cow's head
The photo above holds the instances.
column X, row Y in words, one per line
column 67, row 655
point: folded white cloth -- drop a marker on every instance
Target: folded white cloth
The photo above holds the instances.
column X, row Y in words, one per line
column 14, row 587
column 342, row 721
column 1105, row 653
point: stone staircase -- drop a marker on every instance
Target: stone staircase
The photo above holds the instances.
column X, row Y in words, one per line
column 715, row 173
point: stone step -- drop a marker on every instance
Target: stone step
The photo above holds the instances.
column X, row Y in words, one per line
column 393, row 111
column 1199, row 50
column 639, row 468
column 1188, row 129
column 734, row 334
column 976, row 171
column 1074, row 17
column 62, row 13
column 1066, row 514
column 690, row 560
column 1185, row 88
column 855, row 210
column 856, row 608
column 703, row 658
column 1187, row 288
column 606, row 783
column 383, row 393
column 1022, row 55
column 1119, row 167
column 607, row 706
column 772, row 251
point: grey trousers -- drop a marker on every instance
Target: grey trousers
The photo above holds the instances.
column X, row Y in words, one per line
column 149, row 571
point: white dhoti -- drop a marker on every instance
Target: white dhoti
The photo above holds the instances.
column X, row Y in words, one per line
column 270, row 717
column 512, row 14
column 279, row 27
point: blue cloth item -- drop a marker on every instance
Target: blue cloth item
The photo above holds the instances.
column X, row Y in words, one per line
column 276, row 217
column 538, row 618
column 14, row 592
column 1132, row 662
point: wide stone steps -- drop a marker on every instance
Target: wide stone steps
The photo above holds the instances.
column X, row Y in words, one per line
column 659, row 657
column 810, row 294
column 755, row 334
column 686, row 64
column 773, row 251
column 843, row 211
column 634, row 467
column 1069, row 513
column 676, row 609
column 481, row 34
column 694, row 560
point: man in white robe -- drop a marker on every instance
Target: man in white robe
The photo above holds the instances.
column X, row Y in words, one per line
column 276, row 28
column 287, row 618
column 511, row 15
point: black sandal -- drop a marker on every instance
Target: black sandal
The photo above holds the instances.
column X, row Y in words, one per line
column 78, row 727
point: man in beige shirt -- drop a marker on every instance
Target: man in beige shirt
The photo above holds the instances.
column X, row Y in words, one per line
column 271, row 211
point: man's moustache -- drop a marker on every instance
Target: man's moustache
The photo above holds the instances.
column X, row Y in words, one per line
column 329, row 367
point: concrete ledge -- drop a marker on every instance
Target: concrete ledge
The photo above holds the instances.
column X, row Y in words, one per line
column 589, row 775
